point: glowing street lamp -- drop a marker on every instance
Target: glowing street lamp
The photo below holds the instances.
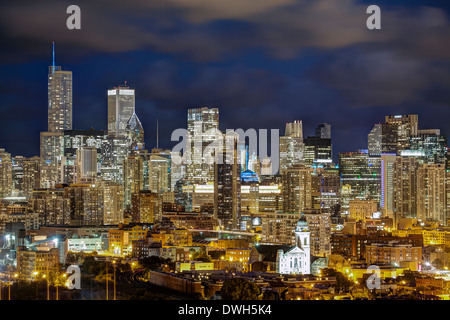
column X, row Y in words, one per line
column 114, row 264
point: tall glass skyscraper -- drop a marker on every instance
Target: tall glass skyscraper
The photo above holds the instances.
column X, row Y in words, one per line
column 203, row 130
column 121, row 107
column 59, row 119
column 59, row 99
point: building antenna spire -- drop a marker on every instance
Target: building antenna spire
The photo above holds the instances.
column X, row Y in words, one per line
column 157, row 134
column 53, row 42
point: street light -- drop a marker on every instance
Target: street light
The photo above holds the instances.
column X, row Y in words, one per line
column 48, row 286
column 114, row 264
column 106, row 261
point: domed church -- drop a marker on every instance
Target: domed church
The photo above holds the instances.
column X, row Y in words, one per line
column 296, row 260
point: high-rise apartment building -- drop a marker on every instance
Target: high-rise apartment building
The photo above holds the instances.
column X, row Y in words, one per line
column 6, row 178
column 387, row 184
column 405, row 188
column 52, row 152
column 431, row 194
column 31, row 175
column 297, row 189
column 133, row 177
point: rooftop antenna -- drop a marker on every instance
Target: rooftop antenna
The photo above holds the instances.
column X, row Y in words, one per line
column 53, row 42
column 157, row 134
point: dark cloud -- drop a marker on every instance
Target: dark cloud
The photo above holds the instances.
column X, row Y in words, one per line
column 384, row 78
column 180, row 54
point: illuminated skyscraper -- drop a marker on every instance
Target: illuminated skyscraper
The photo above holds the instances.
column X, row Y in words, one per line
column 159, row 173
column 431, row 202
column 291, row 146
column 59, row 98
column 297, row 189
column 405, row 126
column 59, row 119
column 323, row 130
column 318, row 151
column 146, row 207
column 135, row 133
column 52, row 152
column 387, row 184
column 31, row 175
column 360, row 177
column 121, row 107
column 74, row 141
column 113, row 202
column 86, row 204
column 203, row 131
column 6, row 179
column 227, row 184
column 133, row 179
column 429, row 146
column 405, row 188
column 382, row 139
column 17, row 175
column 86, row 164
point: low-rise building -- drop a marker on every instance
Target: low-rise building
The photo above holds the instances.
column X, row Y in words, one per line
column 394, row 253
column 32, row 264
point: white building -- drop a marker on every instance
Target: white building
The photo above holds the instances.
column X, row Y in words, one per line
column 296, row 260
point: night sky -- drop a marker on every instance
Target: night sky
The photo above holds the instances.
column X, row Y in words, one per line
column 262, row 62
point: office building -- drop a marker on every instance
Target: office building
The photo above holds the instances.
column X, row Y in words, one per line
column 203, row 131
column 318, row 151
column 291, row 146
column 323, row 130
column 405, row 126
column 382, row 139
column 121, row 107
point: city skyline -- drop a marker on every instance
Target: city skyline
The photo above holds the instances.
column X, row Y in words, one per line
column 314, row 130
column 178, row 57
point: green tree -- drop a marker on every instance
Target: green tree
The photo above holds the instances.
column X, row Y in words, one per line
column 240, row 289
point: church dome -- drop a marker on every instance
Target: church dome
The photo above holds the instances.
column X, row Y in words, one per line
column 302, row 224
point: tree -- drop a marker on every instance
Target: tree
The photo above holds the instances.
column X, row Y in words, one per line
column 341, row 281
column 240, row 289
column 270, row 295
column 438, row 264
column 153, row 262
column 201, row 256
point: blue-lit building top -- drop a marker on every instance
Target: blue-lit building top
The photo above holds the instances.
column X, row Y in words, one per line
column 249, row 176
